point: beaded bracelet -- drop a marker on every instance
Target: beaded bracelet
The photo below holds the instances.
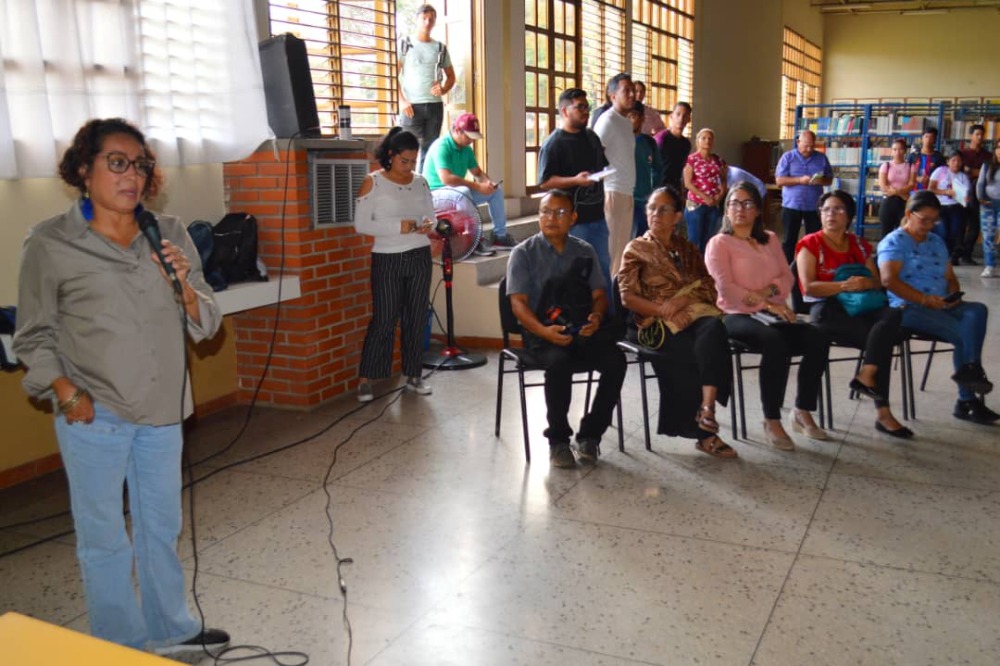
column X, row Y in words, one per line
column 65, row 407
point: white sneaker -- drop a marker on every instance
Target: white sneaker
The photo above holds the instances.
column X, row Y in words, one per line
column 987, row 272
column 365, row 393
column 417, row 385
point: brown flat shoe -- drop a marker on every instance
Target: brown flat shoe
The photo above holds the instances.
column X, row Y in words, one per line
column 716, row 448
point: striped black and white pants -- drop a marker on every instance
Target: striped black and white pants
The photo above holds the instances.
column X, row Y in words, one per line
column 401, row 284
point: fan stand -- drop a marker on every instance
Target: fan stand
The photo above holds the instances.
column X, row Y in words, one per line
column 452, row 357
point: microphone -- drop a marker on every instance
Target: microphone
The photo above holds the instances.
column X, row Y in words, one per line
column 150, row 228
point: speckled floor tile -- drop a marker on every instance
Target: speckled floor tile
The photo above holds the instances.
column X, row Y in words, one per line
column 433, row 644
column 43, row 582
column 742, row 503
column 937, row 529
column 834, row 613
column 620, row 592
column 407, row 553
column 460, row 461
column 231, row 500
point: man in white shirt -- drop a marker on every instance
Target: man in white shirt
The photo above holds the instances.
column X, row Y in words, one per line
column 615, row 132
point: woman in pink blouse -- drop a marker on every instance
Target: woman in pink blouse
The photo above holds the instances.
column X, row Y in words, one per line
column 751, row 275
column 705, row 181
column 896, row 179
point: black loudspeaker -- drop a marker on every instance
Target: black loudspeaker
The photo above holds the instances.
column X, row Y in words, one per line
column 288, row 88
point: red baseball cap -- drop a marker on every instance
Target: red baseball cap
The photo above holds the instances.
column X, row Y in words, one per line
column 468, row 123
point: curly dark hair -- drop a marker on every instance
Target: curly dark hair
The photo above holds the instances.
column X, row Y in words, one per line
column 79, row 158
column 395, row 142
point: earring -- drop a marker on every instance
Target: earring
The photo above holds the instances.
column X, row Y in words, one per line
column 87, row 206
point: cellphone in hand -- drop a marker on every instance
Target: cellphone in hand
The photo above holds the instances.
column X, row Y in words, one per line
column 954, row 297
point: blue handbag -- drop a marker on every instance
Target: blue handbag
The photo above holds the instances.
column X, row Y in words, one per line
column 858, row 302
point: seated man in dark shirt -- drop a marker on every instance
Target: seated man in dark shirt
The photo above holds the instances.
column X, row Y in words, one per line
column 553, row 270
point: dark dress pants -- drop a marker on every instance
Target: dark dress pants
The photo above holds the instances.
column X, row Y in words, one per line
column 777, row 344
column 792, row 221
column 875, row 333
column 600, row 354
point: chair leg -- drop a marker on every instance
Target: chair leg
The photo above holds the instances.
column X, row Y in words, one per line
column 586, row 399
column 908, row 359
column 829, row 399
column 739, row 383
column 904, row 378
column 621, row 427
column 524, row 417
column 927, row 368
column 500, row 365
column 645, row 402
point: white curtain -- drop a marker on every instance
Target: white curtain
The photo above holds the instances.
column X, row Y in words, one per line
column 186, row 72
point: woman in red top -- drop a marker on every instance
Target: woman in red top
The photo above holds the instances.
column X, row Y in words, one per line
column 817, row 257
column 705, row 181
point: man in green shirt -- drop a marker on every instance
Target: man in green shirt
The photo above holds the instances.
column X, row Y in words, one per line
column 450, row 159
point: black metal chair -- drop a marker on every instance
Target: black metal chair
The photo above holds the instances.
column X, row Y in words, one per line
column 637, row 355
column 908, row 337
column 522, row 362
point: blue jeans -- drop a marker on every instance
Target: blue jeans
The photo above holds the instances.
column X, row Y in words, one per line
column 99, row 457
column 495, row 203
column 951, row 227
column 596, row 233
column 964, row 326
column 425, row 125
column 702, row 223
column 988, row 223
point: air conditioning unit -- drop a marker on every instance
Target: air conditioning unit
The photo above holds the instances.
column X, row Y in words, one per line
column 333, row 185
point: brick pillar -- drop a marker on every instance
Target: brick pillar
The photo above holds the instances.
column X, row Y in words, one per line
column 318, row 342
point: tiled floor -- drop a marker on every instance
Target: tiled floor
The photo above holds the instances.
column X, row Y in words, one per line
column 859, row 550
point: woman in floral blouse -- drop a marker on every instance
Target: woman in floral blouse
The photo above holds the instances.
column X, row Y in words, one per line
column 665, row 285
column 705, row 181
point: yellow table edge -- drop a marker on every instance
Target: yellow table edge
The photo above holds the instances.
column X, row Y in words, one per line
column 25, row 641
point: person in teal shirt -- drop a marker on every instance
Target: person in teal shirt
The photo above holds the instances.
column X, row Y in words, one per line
column 648, row 169
column 450, row 159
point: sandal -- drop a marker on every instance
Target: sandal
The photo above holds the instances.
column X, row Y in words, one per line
column 706, row 419
column 716, row 448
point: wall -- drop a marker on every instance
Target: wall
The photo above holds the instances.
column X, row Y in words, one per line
column 885, row 55
column 191, row 193
column 737, row 76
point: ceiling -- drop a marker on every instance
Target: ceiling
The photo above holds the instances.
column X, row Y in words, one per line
column 903, row 7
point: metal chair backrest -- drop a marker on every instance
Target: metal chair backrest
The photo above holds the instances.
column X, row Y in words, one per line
column 508, row 322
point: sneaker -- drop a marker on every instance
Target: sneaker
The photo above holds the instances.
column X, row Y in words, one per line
column 975, row 410
column 418, row 385
column 560, row 455
column 504, row 243
column 987, row 272
column 365, row 393
column 588, row 449
column 973, row 377
column 484, row 249
column 209, row 639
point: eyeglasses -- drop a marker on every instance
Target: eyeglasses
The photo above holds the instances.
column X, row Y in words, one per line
column 832, row 210
column 119, row 163
column 747, row 204
column 580, row 107
column 926, row 219
column 661, row 210
column 550, row 212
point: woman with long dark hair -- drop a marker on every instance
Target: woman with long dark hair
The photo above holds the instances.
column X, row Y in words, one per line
column 751, row 274
column 394, row 205
column 896, row 179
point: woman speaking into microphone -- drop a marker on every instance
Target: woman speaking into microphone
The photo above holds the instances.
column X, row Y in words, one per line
column 100, row 328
